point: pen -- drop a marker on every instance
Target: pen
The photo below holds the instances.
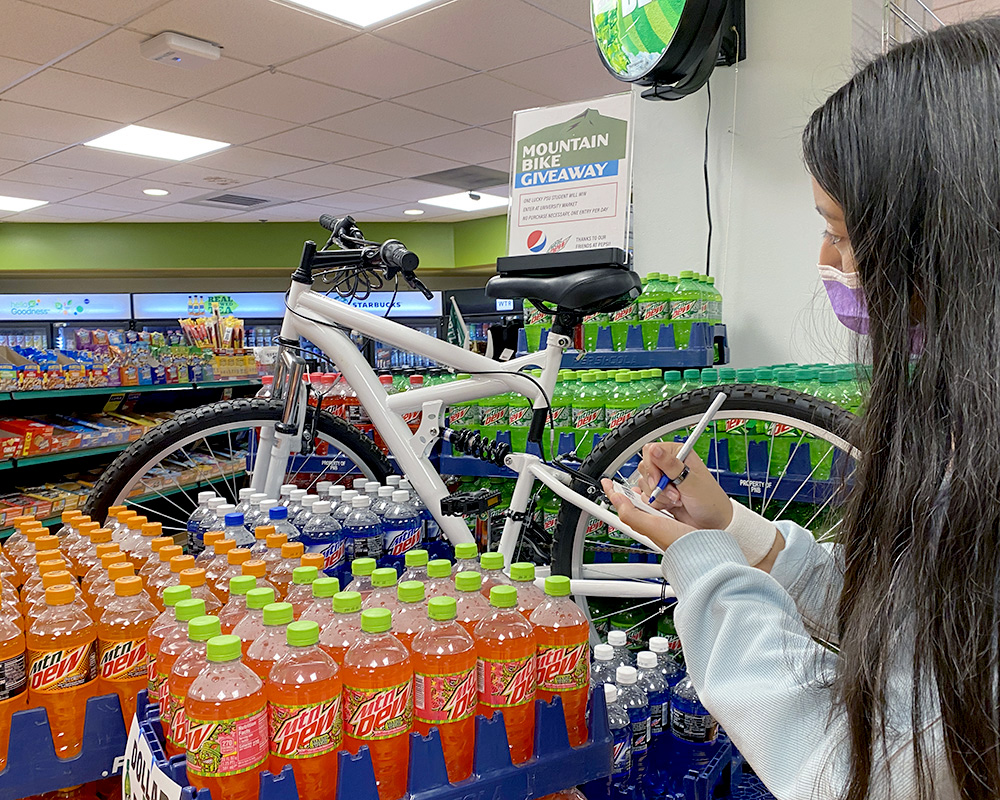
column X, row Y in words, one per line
column 690, row 442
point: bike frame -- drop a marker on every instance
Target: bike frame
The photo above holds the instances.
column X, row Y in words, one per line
column 323, row 321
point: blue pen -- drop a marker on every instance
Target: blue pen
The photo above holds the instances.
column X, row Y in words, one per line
column 689, row 443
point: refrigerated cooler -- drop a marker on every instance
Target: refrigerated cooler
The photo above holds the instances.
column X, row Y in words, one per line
column 43, row 321
column 481, row 313
column 407, row 308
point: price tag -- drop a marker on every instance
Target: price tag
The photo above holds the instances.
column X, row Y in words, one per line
column 114, row 402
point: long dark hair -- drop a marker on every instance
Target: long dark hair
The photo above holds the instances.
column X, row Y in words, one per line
column 910, row 148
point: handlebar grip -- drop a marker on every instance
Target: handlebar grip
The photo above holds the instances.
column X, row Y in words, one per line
column 328, row 222
column 395, row 254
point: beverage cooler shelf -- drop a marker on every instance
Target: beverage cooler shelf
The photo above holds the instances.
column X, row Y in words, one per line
column 554, row 766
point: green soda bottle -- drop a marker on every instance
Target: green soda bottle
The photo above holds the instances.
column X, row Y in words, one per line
column 727, row 375
column 672, row 384
column 806, row 381
column 623, row 404
column 519, row 417
column 534, row 320
column 715, row 303
column 651, row 383
column 654, row 309
column 685, row 307
column 829, row 389
column 665, row 628
column 463, row 415
column 764, row 376
column 619, row 322
column 692, row 380
column 849, row 389
column 710, row 377
column 738, row 432
column 493, row 413
column 588, row 412
column 630, row 621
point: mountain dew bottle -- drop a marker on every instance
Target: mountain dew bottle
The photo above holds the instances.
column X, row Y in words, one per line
column 493, row 412
column 710, row 377
column 463, row 415
column 692, row 380
column 685, row 307
column 672, row 384
column 588, row 404
column 623, row 404
column 534, row 320
column 739, row 432
column 715, row 302
column 654, row 309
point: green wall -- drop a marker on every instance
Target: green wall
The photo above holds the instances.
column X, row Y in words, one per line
column 132, row 248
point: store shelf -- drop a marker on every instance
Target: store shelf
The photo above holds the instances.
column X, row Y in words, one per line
column 16, row 463
column 109, row 390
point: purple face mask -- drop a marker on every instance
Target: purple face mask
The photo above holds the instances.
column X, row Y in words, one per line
column 846, row 297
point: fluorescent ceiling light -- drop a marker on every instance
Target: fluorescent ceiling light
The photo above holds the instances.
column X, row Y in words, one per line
column 463, row 201
column 19, row 203
column 363, row 13
column 413, row 212
column 156, row 192
column 141, row 141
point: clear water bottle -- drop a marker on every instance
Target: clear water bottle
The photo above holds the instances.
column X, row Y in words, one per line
column 252, row 515
column 604, row 666
column 671, row 671
column 198, row 516
column 393, row 481
column 658, row 693
column 335, row 493
column 285, row 496
column 693, row 730
column 260, row 515
column 322, row 534
column 278, row 517
column 371, row 489
column 304, row 514
column 619, row 641
column 236, row 531
column 341, row 511
column 635, row 702
column 400, row 525
column 220, row 515
column 363, row 532
column 358, row 484
column 323, row 489
column 295, row 503
column 621, row 731
column 383, row 501
column 243, row 503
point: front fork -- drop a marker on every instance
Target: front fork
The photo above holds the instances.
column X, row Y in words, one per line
column 277, row 443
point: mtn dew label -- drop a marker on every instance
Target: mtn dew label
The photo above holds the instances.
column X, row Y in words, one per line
column 533, row 316
column 777, row 429
column 494, row 411
column 624, row 314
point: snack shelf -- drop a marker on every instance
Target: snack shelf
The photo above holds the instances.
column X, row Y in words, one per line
column 109, row 390
column 32, row 461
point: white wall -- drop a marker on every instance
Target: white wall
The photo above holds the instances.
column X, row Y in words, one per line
column 764, row 255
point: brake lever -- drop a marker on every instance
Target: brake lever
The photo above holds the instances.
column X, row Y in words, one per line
column 415, row 283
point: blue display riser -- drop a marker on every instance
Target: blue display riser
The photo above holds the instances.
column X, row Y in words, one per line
column 700, row 351
column 724, row 779
column 32, row 764
column 554, row 766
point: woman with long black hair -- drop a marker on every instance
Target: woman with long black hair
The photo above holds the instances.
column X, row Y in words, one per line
column 905, row 162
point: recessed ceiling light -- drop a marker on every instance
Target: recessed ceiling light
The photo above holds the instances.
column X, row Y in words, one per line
column 413, row 212
column 140, row 141
column 362, row 14
column 467, row 201
column 19, row 203
column 156, row 192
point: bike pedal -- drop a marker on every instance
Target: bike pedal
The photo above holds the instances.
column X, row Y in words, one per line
column 463, row 504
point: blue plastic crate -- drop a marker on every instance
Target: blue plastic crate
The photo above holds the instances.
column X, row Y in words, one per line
column 554, row 766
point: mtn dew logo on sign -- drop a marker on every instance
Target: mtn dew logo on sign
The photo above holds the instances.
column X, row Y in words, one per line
column 572, row 177
column 633, row 35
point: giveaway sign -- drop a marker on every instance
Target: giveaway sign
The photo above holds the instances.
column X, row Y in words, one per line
column 571, row 181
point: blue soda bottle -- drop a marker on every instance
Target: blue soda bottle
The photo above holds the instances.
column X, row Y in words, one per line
column 322, row 534
column 621, row 731
column 363, row 534
column 635, row 702
column 401, row 525
column 278, row 517
column 657, row 691
column 236, row 531
column 693, row 730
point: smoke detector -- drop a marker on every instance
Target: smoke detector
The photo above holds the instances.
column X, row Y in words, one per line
column 178, row 50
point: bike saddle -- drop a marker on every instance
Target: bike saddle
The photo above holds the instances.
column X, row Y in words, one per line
column 590, row 291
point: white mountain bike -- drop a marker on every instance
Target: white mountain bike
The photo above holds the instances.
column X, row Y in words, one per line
column 795, row 448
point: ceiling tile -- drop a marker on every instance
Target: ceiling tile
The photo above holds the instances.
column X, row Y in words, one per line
column 64, row 213
column 45, row 123
column 469, row 146
column 47, row 175
column 184, row 211
column 402, row 163
column 282, row 190
column 248, row 161
column 478, row 100
column 339, row 177
column 504, row 127
column 390, row 123
column 502, row 164
column 195, row 175
column 24, row 149
column 317, row 144
column 214, row 122
column 349, row 202
column 486, row 40
column 574, row 74
column 358, row 63
column 409, row 191
column 11, row 70
column 103, row 161
column 133, row 189
column 573, row 11
column 111, row 11
column 396, row 213
column 116, row 58
column 111, row 202
column 37, row 34
column 287, row 97
column 290, row 212
column 257, row 31
column 6, row 165
column 92, row 97
column 34, row 191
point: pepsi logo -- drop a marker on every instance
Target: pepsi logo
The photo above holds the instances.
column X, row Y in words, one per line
column 537, row 241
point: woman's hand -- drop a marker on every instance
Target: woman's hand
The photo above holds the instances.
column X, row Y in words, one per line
column 663, row 531
column 698, row 502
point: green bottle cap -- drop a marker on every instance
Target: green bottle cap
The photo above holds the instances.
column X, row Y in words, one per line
column 687, row 274
column 763, row 375
column 376, row 620
column 711, row 281
column 224, row 648
column 241, row 584
column 442, row 608
column 491, row 560
column 187, row 610
column 384, row 576
column 746, row 375
column 416, row 558
column 325, row 587
column 201, row 629
column 805, row 375
column 556, row 586
column 302, row 576
column 503, row 597
column 258, row 598
column 571, row 376
column 438, row 568
column 463, row 376
column 522, row 571
column 410, row 592
column 278, row 613
column 828, row 376
column 468, row 581
column 653, row 276
column 727, row 375
column 692, row 375
column 709, row 376
column 466, row 550
column 622, row 377
column 303, row 633
column 589, row 377
column 362, row 566
column 672, row 376
column 346, row 602
column 172, row 595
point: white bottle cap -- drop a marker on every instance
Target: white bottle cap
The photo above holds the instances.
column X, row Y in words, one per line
column 359, row 484
column 286, row 488
column 337, row 490
column 245, row 493
column 348, row 496
column 204, row 497
column 604, row 652
column 309, row 500
column 215, row 502
column 297, row 495
column 617, row 638
column 371, row 487
column 626, row 675
column 393, row 480
column 400, row 496
column 323, row 488
column 659, row 644
column 646, row 659
column 385, row 491
column 360, row 502
column 610, row 693
column 405, row 484
column 324, row 506
column 267, row 505
column 257, row 498
column 225, row 508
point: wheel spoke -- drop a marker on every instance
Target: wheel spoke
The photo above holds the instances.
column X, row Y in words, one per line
column 211, row 452
column 784, row 472
column 617, row 611
column 802, row 485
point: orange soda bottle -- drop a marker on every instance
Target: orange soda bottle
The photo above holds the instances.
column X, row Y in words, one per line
column 444, row 685
column 79, row 535
column 304, row 710
column 384, row 590
column 142, row 545
column 174, row 645
column 320, row 610
column 88, row 551
column 121, row 643
column 62, row 666
column 7, row 571
column 119, row 529
column 562, row 635
column 272, row 556
column 361, row 577
column 256, row 568
column 206, row 556
column 97, row 577
column 235, row 558
column 270, row 645
column 252, row 624
column 188, row 666
column 153, row 562
column 378, row 701
column 345, row 627
column 33, row 592
column 233, row 611
column 13, row 691
column 300, row 592
column 69, row 532
column 411, row 616
column 195, row 578
column 160, row 576
column 472, row 606
column 173, row 578
column 158, row 632
column 122, row 569
column 439, row 582
column 17, row 541
column 37, row 600
column 505, row 645
column 492, row 566
column 227, row 740
column 218, row 564
column 281, row 576
column 529, row 596
column 133, row 530
column 260, row 534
